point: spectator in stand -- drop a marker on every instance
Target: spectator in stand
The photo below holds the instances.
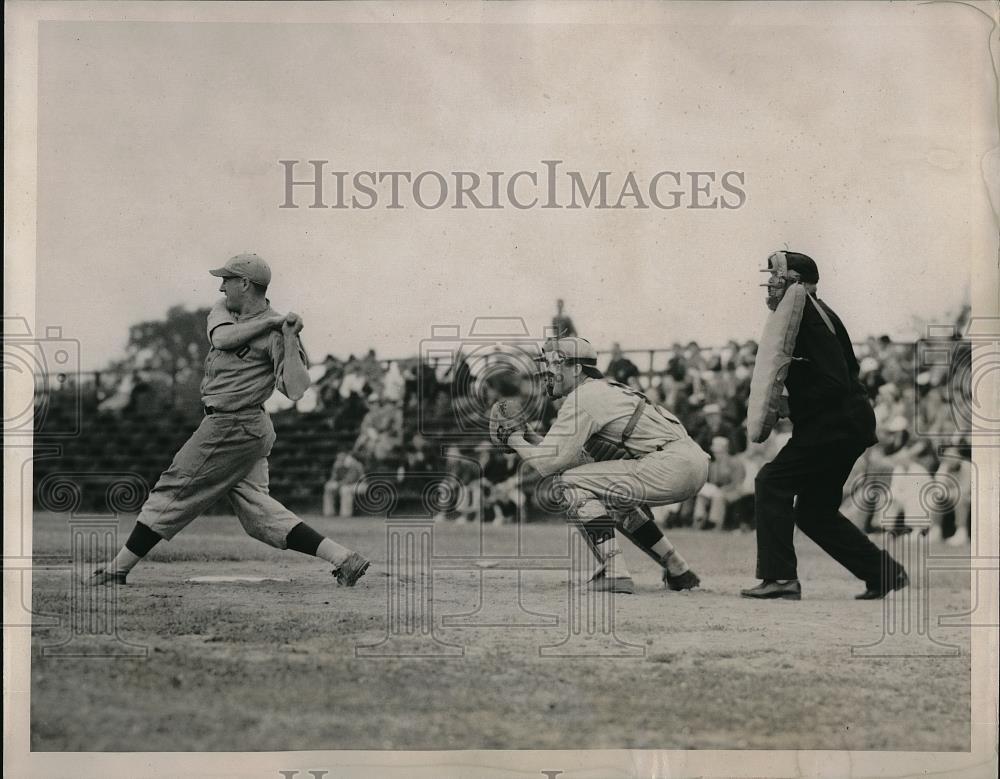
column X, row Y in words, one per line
column 352, row 388
column 621, row 368
column 331, row 490
column 677, row 365
column 954, row 479
column 354, row 383
column 562, row 324
column 428, row 381
column 381, row 432
column 894, row 478
column 870, row 374
column 676, row 398
column 728, row 355
column 352, row 474
column 496, row 469
column 462, row 379
column 735, row 407
column 720, row 382
column 453, row 465
column 393, row 384
column 149, row 395
column 693, row 357
column 723, row 488
column 508, row 495
column 374, row 372
column 140, row 390
column 418, row 457
column 467, row 474
column 910, row 474
column 875, row 488
column 329, row 385
column 752, row 460
column 712, row 425
column 122, row 397
column 747, row 356
column 421, row 385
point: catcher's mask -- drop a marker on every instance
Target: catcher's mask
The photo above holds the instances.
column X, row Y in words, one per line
column 557, row 353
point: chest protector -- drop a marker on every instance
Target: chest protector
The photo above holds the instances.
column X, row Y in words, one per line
column 774, row 356
column 603, row 450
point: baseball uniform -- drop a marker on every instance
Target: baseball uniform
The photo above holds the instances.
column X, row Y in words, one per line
column 227, row 455
column 616, row 454
column 642, row 454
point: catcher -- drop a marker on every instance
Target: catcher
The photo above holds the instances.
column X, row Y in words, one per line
column 616, row 454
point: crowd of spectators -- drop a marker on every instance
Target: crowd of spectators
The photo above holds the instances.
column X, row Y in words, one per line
column 919, row 472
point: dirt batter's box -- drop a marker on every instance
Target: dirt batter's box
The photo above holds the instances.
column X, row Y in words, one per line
column 411, row 562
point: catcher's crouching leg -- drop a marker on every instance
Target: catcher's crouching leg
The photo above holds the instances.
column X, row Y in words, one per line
column 639, row 527
column 607, row 571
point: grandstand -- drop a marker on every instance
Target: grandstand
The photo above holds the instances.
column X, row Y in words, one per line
column 129, row 423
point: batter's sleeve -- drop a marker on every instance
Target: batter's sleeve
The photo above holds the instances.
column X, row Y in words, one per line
column 562, row 446
column 219, row 315
column 278, row 357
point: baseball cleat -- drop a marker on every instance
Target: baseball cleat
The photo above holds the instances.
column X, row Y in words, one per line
column 879, row 591
column 622, row 585
column 100, row 576
column 352, row 569
column 683, row 581
column 770, row 590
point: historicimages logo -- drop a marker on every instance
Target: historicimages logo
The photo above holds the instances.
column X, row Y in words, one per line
column 312, row 184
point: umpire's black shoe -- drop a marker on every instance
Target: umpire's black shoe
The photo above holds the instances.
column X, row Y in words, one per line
column 770, row 589
column 880, row 590
column 100, row 576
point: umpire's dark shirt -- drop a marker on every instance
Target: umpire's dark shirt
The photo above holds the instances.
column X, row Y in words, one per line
column 826, row 400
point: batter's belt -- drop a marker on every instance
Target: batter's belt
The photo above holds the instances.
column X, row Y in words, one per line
column 209, row 410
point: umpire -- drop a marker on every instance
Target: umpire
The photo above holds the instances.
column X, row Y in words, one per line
column 832, row 425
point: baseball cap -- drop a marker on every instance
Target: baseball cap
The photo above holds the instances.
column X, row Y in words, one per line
column 246, row 266
column 574, row 350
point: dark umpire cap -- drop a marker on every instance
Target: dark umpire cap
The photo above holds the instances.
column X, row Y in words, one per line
column 803, row 264
column 245, row 266
column 574, row 350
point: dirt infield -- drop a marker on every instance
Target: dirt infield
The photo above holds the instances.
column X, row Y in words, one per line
column 273, row 665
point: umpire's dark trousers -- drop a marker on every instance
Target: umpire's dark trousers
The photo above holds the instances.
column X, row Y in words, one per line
column 815, row 474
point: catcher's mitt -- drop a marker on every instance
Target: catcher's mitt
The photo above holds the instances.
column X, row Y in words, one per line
column 506, row 417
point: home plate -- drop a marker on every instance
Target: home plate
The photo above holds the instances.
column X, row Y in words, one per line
column 234, row 579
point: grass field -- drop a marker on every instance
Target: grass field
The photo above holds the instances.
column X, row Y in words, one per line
column 273, row 666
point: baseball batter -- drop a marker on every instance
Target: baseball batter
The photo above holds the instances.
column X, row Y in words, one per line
column 254, row 349
column 617, row 453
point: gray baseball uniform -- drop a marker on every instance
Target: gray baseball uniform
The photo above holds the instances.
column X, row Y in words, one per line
column 610, row 443
column 227, row 454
